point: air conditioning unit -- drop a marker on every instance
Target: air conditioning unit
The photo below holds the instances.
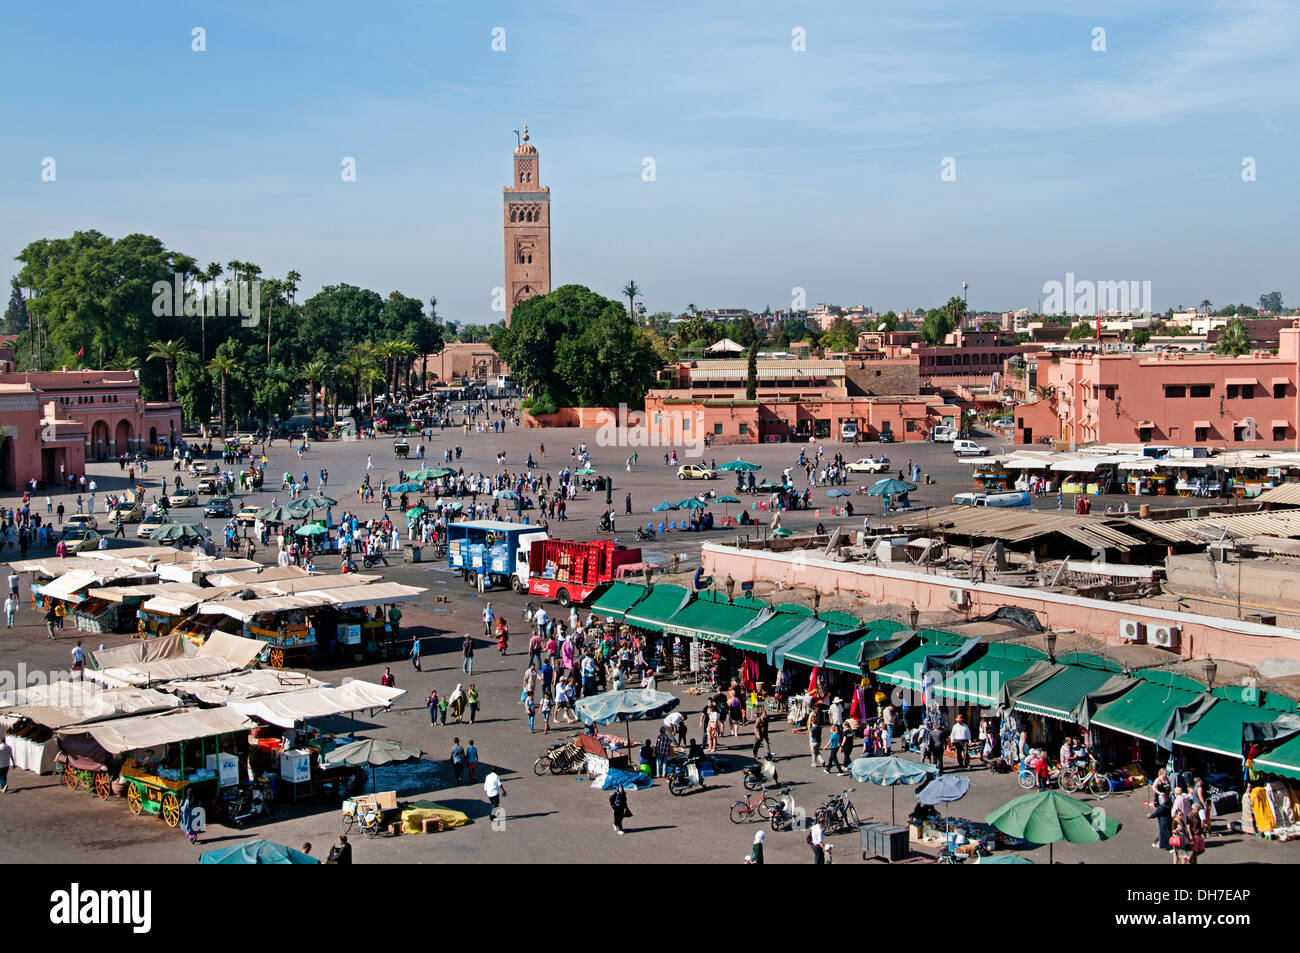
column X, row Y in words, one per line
column 1131, row 630
column 958, row 597
column 1250, row 691
column 1165, row 636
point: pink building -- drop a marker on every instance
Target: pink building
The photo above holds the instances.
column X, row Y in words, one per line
column 55, row 421
column 1185, row 399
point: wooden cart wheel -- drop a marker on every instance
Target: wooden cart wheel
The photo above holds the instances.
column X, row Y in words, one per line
column 1132, row 489
column 103, row 785
column 1162, row 491
column 1239, row 492
column 170, row 809
column 133, row 799
column 276, row 658
column 69, row 776
column 1184, row 492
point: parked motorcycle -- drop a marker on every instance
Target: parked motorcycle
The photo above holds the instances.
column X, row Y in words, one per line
column 761, row 774
column 683, row 776
column 248, row 803
column 644, row 534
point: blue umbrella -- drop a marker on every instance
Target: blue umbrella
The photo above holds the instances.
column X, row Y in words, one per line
column 664, row 507
column 740, row 465
column 891, row 771
column 608, row 707
column 406, row 488
column 838, row 492
column 256, row 852
column 940, row 790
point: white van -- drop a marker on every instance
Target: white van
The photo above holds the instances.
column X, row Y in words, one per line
column 849, row 430
column 943, row 434
column 968, row 448
column 1015, row 500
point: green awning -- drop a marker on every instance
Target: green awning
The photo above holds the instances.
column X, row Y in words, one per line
column 1219, row 729
column 980, row 682
column 716, row 621
column 1144, row 710
column 840, row 620
column 761, row 637
column 884, row 641
column 1059, row 695
column 885, row 626
column 809, row 651
column 1283, row 760
column 906, row 671
column 617, row 599
column 654, row 611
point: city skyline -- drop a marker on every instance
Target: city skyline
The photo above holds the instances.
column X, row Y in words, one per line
column 793, row 150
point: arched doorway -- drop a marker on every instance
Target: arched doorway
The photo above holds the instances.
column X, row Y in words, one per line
column 99, row 439
column 122, row 437
column 153, row 436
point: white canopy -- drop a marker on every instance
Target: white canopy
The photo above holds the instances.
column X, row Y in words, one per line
column 238, row 686
column 382, row 593
column 247, row 609
column 289, row 708
column 220, row 654
column 152, row 731
column 91, row 707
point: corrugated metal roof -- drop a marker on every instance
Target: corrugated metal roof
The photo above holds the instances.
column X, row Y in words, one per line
column 1286, row 494
column 1018, row 525
column 1203, row 529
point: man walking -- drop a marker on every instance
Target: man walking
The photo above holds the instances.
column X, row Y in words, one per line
column 817, row 840
column 11, row 607
column 487, row 620
column 457, row 759
column 618, row 801
column 663, row 747
column 960, row 738
column 467, row 655
column 494, row 789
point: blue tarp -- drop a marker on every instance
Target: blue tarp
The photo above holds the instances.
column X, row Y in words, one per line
column 628, row 779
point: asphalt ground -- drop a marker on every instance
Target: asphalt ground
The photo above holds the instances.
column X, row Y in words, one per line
column 548, row 819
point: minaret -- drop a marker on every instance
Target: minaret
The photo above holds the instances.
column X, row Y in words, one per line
column 527, row 224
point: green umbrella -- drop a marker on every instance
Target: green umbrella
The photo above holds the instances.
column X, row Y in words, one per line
column 177, row 531
column 1045, row 817
column 586, row 471
column 278, row 514
column 1004, row 859
column 690, row 503
column 740, row 465
column 422, row 475
column 313, row 529
column 726, row 499
column 415, row 511
column 663, row 507
column 890, row 487
column 320, row 499
column 407, row 487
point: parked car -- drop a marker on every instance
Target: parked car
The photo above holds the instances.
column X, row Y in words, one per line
column 218, row 506
column 867, row 465
column 80, row 540
column 693, row 471
column 210, row 486
column 247, row 516
column 1005, row 423
column 126, row 513
column 151, row 523
column 81, row 521
column 183, row 497
column 886, row 436
column 968, row 448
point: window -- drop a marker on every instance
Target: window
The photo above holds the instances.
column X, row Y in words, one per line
column 1200, row 390
column 1279, row 391
column 1202, row 434
column 911, row 426
column 1241, row 434
column 1175, row 390
column 744, row 428
column 1110, row 391
column 717, row 428
column 1242, row 391
column 1144, row 434
column 1279, row 434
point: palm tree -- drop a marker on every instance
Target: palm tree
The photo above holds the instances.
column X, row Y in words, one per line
column 211, row 273
column 370, row 377
column 404, row 355
column 170, row 353
column 357, row 362
column 386, row 351
column 631, row 291
column 225, row 365
column 186, row 266
column 314, row 373
column 291, row 281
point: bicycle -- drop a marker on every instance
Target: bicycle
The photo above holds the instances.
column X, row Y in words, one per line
column 756, row 806
column 1095, row 781
column 838, row 813
column 560, row 759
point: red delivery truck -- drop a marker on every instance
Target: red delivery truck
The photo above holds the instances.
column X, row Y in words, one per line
column 570, row 572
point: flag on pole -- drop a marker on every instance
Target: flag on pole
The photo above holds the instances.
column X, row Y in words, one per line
column 81, row 353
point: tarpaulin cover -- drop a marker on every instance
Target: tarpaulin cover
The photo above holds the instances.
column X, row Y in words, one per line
column 761, row 617
column 256, row 852
column 289, row 708
column 805, row 630
column 140, row 650
column 240, row 685
column 1183, row 718
column 1025, row 618
column 868, row 650
column 102, row 706
column 608, row 707
column 1012, row 688
column 245, row 610
column 220, row 654
column 1257, row 731
column 948, row 661
column 654, row 611
column 151, row 731
column 449, row 817
column 381, row 593
column 762, row 634
column 618, row 778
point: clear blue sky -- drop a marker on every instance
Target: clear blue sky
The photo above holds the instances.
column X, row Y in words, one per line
column 775, row 169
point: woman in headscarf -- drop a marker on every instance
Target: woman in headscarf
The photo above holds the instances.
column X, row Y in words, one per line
column 187, row 818
column 756, row 852
column 456, row 703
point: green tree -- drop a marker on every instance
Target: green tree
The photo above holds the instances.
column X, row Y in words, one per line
column 224, row 366
column 1082, row 331
column 314, row 373
column 888, row 322
column 16, row 320
column 631, row 291
column 938, row 324
column 751, row 373
column 1271, row 302
column 840, row 336
column 170, row 353
column 194, row 390
column 1141, row 337
column 1235, row 339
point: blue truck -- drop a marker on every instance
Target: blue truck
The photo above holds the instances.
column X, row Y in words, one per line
column 494, row 550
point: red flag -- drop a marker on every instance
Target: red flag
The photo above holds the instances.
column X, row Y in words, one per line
column 81, row 353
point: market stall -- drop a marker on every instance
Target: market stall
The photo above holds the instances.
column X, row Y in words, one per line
column 283, row 624
column 147, row 662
